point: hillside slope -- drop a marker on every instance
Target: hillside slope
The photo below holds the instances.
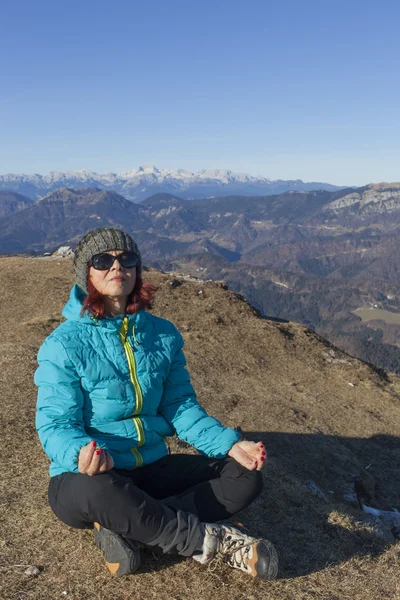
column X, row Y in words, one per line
column 322, row 415
column 11, row 203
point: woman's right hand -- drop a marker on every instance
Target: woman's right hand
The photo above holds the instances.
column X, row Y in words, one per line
column 92, row 461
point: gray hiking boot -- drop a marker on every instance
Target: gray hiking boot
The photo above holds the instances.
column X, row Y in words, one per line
column 122, row 556
column 255, row 556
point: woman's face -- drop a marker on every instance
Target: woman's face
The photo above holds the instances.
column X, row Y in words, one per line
column 116, row 281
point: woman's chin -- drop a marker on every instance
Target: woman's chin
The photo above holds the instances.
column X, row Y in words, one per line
column 117, row 288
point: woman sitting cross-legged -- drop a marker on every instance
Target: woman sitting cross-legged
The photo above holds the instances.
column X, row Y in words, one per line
column 112, row 385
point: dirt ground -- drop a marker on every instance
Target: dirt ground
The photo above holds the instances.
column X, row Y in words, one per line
column 324, row 417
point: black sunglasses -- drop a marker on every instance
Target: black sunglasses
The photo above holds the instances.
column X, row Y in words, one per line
column 104, row 261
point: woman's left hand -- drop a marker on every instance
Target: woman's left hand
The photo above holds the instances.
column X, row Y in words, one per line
column 251, row 455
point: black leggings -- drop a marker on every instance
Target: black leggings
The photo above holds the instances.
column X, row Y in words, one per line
column 163, row 504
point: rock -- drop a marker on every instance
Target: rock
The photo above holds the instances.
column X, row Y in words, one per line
column 175, row 283
column 392, row 516
column 379, row 527
column 351, row 497
column 32, row 571
column 330, row 357
column 64, row 251
column 314, row 489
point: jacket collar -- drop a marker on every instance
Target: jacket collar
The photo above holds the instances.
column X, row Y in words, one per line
column 71, row 311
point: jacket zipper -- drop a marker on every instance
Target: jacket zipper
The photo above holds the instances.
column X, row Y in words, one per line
column 123, row 332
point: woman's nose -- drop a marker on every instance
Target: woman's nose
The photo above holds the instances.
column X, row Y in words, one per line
column 117, row 266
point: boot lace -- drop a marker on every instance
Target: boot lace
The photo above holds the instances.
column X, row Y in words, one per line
column 232, row 549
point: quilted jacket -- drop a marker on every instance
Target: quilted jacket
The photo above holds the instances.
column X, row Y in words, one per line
column 121, row 381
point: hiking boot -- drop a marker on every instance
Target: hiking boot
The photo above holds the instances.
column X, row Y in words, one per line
column 255, row 556
column 122, row 556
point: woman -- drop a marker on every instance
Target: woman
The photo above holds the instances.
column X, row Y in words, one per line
column 112, row 385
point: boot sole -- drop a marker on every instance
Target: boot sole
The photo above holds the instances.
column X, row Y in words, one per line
column 266, row 566
column 121, row 559
column 267, row 563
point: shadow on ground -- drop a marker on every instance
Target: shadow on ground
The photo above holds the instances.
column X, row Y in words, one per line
column 313, row 530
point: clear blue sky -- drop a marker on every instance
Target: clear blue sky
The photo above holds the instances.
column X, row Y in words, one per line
column 291, row 89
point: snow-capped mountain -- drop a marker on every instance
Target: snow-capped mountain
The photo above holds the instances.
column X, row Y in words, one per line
column 140, row 183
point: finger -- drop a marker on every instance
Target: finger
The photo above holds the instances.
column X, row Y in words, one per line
column 85, row 456
column 257, row 451
column 246, row 460
column 262, row 454
column 107, row 462
column 260, row 465
column 95, row 464
column 103, row 463
column 259, row 455
column 260, row 451
column 261, row 462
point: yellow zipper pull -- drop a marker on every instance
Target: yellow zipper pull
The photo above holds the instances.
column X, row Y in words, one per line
column 126, row 327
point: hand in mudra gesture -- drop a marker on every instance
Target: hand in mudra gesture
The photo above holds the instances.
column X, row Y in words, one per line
column 249, row 454
column 92, row 461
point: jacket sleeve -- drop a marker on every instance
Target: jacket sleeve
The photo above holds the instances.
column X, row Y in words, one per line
column 59, row 417
column 191, row 422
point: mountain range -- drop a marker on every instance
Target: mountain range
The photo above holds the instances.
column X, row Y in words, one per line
column 314, row 257
column 140, row 183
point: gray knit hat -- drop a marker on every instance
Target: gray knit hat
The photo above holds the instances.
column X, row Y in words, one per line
column 97, row 241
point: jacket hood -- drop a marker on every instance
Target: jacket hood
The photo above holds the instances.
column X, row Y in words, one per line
column 73, row 307
column 72, row 310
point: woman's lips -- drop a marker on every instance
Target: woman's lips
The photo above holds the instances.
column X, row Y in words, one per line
column 118, row 279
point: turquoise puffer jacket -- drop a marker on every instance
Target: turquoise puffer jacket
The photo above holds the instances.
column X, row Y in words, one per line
column 121, row 381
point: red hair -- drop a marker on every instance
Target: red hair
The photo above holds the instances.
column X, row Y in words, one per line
column 141, row 296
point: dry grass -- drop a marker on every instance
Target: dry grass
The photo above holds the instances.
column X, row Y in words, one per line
column 377, row 314
column 281, row 385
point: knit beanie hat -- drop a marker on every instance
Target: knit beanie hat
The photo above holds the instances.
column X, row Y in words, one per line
column 97, row 241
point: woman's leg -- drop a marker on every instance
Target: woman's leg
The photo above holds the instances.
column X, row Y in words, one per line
column 115, row 502
column 213, row 489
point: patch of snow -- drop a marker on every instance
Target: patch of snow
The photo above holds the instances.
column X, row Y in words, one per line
column 135, row 183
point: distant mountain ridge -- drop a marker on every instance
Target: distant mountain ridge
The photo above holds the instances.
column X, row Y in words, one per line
column 140, row 183
column 11, row 202
column 314, row 257
column 64, row 214
column 315, row 233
